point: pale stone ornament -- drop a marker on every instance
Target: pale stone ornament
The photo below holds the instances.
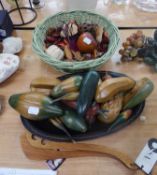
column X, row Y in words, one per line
column 8, row 65
column 12, row 45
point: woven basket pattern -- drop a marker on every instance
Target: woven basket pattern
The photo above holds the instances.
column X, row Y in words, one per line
column 81, row 17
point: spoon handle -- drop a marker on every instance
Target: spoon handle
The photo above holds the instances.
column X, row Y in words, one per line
column 82, row 148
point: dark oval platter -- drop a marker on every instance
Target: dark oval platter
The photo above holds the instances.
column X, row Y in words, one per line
column 46, row 130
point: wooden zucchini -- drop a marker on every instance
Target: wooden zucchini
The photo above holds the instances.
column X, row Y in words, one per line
column 110, row 87
column 73, row 122
column 44, row 83
column 71, row 84
column 141, row 94
column 34, row 106
column 87, row 92
column 134, row 90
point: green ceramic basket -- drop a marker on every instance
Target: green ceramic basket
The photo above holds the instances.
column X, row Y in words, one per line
column 80, row 17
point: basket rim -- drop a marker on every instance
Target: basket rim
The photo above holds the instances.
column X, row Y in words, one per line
column 76, row 64
column 75, row 11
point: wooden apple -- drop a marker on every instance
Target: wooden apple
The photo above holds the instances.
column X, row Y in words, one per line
column 86, row 43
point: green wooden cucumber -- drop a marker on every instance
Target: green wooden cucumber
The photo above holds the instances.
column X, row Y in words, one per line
column 141, row 95
column 73, row 122
column 87, row 92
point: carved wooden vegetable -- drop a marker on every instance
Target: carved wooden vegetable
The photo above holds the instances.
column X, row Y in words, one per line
column 44, row 82
column 34, row 106
column 109, row 88
column 134, row 90
column 87, row 92
column 72, row 121
column 71, row 84
column 113, row 107
column 141, row 94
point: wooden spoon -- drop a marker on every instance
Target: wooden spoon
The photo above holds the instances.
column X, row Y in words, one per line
column 74, row 150
column 36, row 153
column 39, row 149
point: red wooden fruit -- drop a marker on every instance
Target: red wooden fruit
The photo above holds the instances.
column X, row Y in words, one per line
column 86, row 43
